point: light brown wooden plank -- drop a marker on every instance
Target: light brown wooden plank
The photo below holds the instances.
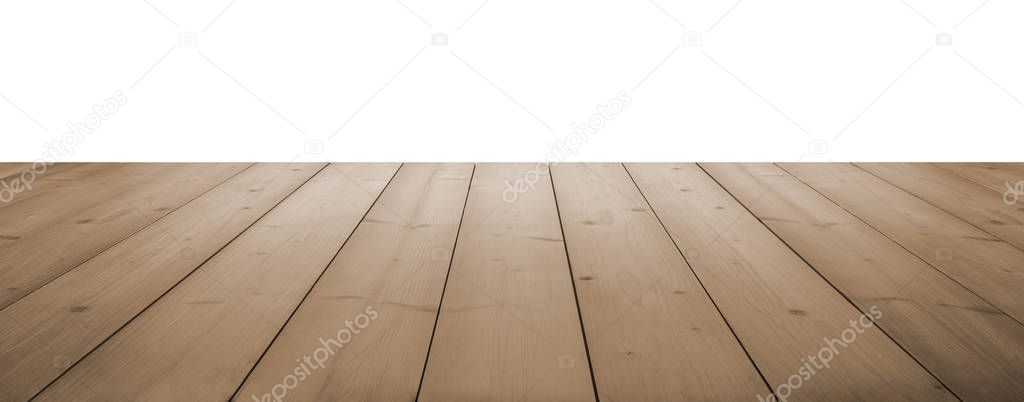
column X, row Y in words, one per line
column 72, row 227
column 968, row 200
column 653, row 332
column 30, row 172
column 52, row 328
column 781, row 310
column 988, row 266
column 508, row 328
column 94, row 189
column 199, row 340
column 62, row 196
column 12, row 171
column 977, row 351
column 395, row 266
column 995, row 176
column 13, row 168
column 57, row 177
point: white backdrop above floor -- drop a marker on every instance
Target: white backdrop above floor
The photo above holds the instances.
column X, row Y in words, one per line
column 483, row 80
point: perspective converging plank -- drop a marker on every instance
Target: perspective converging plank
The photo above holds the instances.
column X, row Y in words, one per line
column 34, row 248
column 653, row 332
column 26, row 180
column 508, row 329
column 781, row 310
column 985, row 264
column 971, row 347
column 367, row 323
column 60, row 196
column 199, row 340
column 998, row 177
column 53, row 327
column 970, row 201
column 458, row 282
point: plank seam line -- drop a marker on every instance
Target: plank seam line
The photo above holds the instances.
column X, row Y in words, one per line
column 771, row 391
column 183, row 278
column 960, row 175
column 939, row 208
column 929, row 264
column 572, row 279
column 444, row 287
column 31, row 164
column 822, row 276
column 126, row 237
column 313, row 286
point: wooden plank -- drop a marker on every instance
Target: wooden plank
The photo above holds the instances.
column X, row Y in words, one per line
column 64, row 195
column 56, row 178
column 32, row 172
column 652, row 330
column 91, row 189
column 971, row 347
column 394, row 266
column 200, row 339
column 52, row 328
column 20, row 181
column 783, row 312
column 71, row 228
column 9, row 170
column 995, row 176
column 968, row 200
column 508, row 328
column 988, row 266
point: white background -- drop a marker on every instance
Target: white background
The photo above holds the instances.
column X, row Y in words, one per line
column 362, row 81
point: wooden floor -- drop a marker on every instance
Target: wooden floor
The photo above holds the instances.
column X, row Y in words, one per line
column 510, row 282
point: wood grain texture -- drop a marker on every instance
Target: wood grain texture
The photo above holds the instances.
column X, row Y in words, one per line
column 24, row 179
column 52, row 328
column 61, row 196
column 995, row 176
column 508, row 329
column 974, row 349
column 458, row 282
column 58, row 178
column 91, row 189
column 34, row 248
column 990, row 267
column 970, row 201
column 200, row 339
column 10, row 170
column 395, row 264
column 781, row 310
column 653, row 332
